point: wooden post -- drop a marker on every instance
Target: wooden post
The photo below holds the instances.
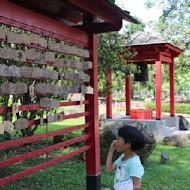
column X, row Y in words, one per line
column 128, row 94
column 158, row 88
column 93, row 155
column 172, row 89
column 109, row 94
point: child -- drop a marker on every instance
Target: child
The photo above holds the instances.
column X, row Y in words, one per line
column 129, row 169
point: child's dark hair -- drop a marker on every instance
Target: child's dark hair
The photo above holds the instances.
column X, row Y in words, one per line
column 132, row 135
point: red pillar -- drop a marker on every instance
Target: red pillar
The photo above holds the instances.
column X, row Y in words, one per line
column 109, row 94
column 93, row 155
column 158, row 89
column 172, row 89
column 128, row 94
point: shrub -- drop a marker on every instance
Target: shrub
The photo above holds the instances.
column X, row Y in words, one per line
column 181, row 108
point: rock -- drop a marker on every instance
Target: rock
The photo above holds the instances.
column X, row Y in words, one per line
column 164, row 158
column 178, row 138
column 150, row 143
column 183, row 123
column 109, row 133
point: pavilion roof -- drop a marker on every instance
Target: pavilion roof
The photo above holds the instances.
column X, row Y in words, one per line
column 141, row 38
column 147, row 46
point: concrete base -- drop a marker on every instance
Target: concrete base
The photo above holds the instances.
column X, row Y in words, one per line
column 159, row 128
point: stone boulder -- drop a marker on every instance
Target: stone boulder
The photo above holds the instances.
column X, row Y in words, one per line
column 178, row 138
column 150, row 143
column 108, row 133
column 183, row 123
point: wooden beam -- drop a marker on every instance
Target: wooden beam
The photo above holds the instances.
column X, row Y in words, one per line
column 98, row 9
column 97, row 28
column 25, row 19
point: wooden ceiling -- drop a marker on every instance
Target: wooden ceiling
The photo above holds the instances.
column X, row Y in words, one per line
column 72, row 11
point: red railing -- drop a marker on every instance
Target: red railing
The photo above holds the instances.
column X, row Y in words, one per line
column 27, row 20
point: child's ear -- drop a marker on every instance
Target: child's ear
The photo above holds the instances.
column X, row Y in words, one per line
column 128, row 145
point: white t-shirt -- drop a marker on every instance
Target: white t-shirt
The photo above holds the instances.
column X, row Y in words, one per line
column 126, row 170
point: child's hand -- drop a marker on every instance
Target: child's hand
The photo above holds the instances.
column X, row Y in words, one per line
column 113, row 146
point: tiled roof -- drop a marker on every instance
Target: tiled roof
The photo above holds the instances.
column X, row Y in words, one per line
column 141, row 38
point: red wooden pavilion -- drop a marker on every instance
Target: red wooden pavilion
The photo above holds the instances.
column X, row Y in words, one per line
column 71, row 21
column 152, row 50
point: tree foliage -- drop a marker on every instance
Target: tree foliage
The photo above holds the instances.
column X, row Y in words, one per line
column 173, row 26
column 113, row 52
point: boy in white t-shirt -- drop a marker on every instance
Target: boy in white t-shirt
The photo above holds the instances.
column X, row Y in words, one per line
column 129, row 169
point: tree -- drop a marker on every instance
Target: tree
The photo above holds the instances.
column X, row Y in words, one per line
column 113, row 52
column 173, row 26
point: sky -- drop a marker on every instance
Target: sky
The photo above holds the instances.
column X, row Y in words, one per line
column 137, row 8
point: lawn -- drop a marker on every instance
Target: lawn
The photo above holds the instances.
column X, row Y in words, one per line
column 71, row 173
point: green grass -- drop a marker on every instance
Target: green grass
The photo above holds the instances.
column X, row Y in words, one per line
column 70, row 175
column 60, row 125
column 174, row 176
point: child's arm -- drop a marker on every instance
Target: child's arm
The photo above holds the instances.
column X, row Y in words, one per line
column 136, row 183
column 109, row 165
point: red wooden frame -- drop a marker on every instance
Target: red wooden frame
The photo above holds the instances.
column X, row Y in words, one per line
column 109, row 94
column 157, row 54
column 13, row 15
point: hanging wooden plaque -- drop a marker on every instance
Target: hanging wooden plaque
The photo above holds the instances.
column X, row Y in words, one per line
column 14, row 71
column 45, row 103
column 81, row 52
column 21, row 123
column 9, row 127
column 49, row 56
column 19, row 55
column 90, row 65
column 7, row 53
column 54, row 104
column 8, row 88
column 54, row 75
column 74, row 50
column 13, row 38
column 58, row 62
column 40, row 88
column 86, row 54
column 2, row 34
column 57, row 90
column 63, row 49
column 87, row 90
column 40, row 59
column 26, row 71
column 25, row 38
column 81, row 75
column 43, row 42
column 15, row 108
column 21, row 88
column 46, row 73
column 4, row 70
column 54, row 46
column 31, row 54
column 50, row 118
column 37, row 72
column 49, row 88
column 31, row 90
column 69, row 75
column 68, row 63
column 35, row 39
column 2, row 128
